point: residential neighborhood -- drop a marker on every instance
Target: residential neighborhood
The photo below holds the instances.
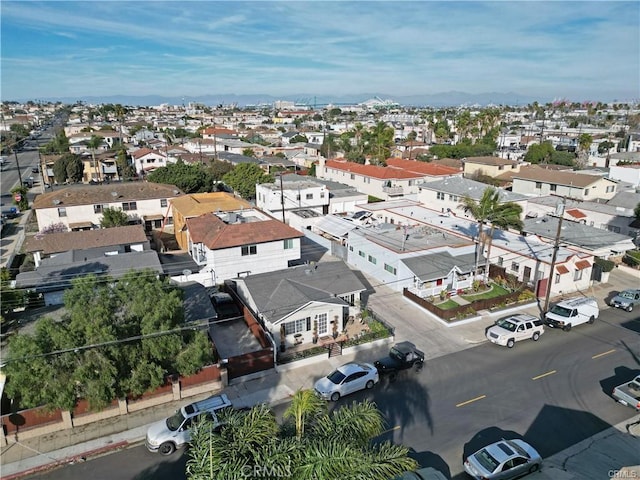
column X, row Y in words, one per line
column 299, row 218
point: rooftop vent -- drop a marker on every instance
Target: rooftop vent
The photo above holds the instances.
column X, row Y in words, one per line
column 56, row 202
column 114, row 194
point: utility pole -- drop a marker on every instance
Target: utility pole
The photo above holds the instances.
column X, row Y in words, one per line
column 556, row 247
column 15, row 153
column 282, row 198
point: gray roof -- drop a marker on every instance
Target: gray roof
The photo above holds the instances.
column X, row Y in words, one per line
column 336, row 226
column 237, row 158
column 438, row 265
column 56, row 273
column 573, row 233
column 622, row 200
column 277, row 294
column 410, row 239
column 332, row 186
column 461, row 186
column 197, row 304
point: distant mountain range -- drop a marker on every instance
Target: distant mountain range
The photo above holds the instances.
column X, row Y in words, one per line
column 443, row 99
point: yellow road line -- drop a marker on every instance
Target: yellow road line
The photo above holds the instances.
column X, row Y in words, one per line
column 603, row 353
column 544, row 375
column 471, row 401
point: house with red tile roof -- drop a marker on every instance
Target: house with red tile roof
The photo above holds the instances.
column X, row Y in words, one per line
column 238, row 243
column 146, row 160
column 398, row 179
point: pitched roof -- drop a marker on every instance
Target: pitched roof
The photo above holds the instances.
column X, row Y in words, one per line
column 373, row 171
column 215, row 234
column 490, row 161
column 196, row 204
column 276, row 294
column 64, row 241
column 105, row 194
column 568, row 178
column 425, row 168
column 438, row 265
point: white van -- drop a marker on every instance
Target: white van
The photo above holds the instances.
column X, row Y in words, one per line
column 571, row 312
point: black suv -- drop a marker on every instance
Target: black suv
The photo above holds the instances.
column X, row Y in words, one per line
column 402, row 356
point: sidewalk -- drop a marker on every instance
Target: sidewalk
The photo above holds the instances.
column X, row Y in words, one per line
column 601, row 454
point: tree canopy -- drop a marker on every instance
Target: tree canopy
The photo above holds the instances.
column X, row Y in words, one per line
column 244, row 177
column 312, row 444
column 68, row 167
column 115, row 339
column 190, row 178
column 113, row 217
column 463, row 149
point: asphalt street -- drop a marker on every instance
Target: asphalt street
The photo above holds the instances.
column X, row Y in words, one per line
column 553, row 393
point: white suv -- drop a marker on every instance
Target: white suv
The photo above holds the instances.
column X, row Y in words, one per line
column 507, row 331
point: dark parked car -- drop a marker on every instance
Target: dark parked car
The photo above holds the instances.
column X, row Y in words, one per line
column 224, row 305
column 402, row 356
column 10, row 213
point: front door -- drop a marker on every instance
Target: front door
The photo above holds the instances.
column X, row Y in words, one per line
column 526, row 277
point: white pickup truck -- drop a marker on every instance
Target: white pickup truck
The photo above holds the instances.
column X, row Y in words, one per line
column 628, row 393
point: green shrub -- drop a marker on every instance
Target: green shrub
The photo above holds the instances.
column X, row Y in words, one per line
column 605, row 265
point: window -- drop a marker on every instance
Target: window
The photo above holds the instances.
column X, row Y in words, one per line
column 309, row 196
column 298, row 196
column 297, row 326
column 98, row 208
column 557, row 278
column 577, row 275
column 515, row 266
column 321, row 194
column 128, row 206
column 390, row 269
column 163, row 202
column 440, row 196
column 453, row 198
column 62, row 212
column 611, row 188
column 353, row 177
column 553, row 188
column 361, row 253
column 351, row 248
column 538, row 184
column 288, row 244
column 586, row 192
column 372, row 259
column 500, row 167
column 500, row 261
column 249, row 250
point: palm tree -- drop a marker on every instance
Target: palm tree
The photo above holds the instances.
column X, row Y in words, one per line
column 305, row 406
column 490, row 210
column 93, row 143
column 335, row 445
column 120, row 112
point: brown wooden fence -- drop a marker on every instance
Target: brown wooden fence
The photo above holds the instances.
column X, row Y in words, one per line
column 476, row 305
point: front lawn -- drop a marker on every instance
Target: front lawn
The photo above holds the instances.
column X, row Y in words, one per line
column 448, row 304
column 495, row 291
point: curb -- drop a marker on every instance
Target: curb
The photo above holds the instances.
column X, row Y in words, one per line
column 69, row 460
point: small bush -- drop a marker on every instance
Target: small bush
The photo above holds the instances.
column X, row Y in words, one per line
column 605, row 265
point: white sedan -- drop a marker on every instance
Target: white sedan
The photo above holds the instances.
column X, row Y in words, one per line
column 503, row 460
column 347, row 379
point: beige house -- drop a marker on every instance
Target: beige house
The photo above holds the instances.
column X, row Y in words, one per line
column 488, row 166
column 533, row 180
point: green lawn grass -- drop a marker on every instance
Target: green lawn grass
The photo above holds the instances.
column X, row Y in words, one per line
column 447, row 305
column 496, row 291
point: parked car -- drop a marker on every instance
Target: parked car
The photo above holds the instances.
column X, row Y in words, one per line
column 10, row 213
column 626, row 300
column 224, row 305
column 505, row 459
column 347, row 379
column 172, row 433
column 35, row 169
column 402, row 356
column 571, row 312
column 507, row 331
column 628, row 393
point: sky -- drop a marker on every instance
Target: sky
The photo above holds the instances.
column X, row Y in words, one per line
column 581, row 51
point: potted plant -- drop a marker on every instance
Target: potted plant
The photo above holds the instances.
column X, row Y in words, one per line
column 335, row 327
column 283, row 338
column 314, row 339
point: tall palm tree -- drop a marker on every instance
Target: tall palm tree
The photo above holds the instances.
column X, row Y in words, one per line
column 93, row 143
column 120, row 113
column 490, row 210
